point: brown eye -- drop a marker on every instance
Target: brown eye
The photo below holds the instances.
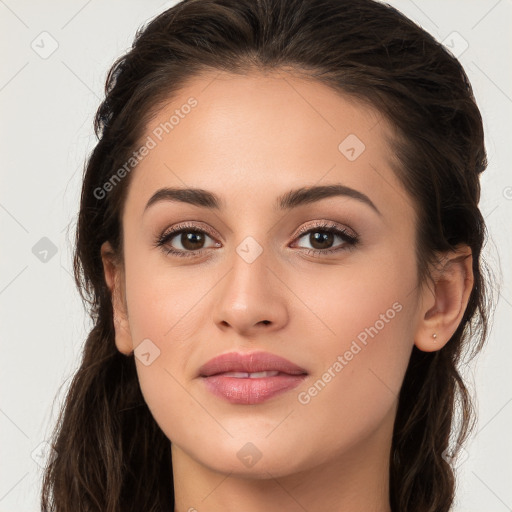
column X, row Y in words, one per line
column 321, row 240
column 185, row 241
column 192, row 240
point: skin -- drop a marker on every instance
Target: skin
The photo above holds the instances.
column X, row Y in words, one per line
column 251, row 139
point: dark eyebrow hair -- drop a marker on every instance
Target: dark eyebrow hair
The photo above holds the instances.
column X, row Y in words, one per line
column 292, row 199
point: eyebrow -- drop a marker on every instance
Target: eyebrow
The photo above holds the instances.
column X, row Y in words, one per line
column 292, row 199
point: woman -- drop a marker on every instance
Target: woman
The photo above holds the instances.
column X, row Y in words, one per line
column 279, row 238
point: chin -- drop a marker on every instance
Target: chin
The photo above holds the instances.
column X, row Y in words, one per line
column 260, row 459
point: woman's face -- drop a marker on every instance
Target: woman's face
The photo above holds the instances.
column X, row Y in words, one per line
column 325, row 278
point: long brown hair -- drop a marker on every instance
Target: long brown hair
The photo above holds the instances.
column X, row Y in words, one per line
column 106, row 439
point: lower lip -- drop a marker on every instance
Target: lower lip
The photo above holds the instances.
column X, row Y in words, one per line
column 248, row 391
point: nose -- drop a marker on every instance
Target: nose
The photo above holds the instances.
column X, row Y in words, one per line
column 251, row 299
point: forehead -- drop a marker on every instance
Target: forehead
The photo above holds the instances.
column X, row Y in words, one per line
column 263, row 133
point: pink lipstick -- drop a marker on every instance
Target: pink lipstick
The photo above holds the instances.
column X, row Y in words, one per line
column 250, row 378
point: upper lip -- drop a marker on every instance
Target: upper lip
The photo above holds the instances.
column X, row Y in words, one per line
column 249, row 363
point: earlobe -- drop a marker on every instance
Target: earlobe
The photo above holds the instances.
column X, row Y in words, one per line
column 114, row 278
column 448, row 298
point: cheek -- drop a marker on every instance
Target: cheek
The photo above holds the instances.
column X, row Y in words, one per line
column 162, row 300
column 161, row 309
column 363, row 356
column 166, row 306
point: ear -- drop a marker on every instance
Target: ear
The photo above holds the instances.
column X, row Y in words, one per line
column 114, row 277
column 445, row 303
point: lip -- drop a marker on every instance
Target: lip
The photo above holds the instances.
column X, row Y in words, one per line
column 250, row 390
column 249, row 363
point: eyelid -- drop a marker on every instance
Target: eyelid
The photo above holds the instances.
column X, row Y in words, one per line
column 187, row 225
column 325, row 225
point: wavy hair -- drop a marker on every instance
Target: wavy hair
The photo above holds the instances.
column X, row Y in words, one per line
column 105, row 436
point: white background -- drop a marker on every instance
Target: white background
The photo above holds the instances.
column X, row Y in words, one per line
column 47, row 106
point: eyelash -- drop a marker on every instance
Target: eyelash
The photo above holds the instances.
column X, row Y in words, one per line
column 322, row 226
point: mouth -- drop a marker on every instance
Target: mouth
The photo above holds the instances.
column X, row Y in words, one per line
column 255, row 375
column 249, row 379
